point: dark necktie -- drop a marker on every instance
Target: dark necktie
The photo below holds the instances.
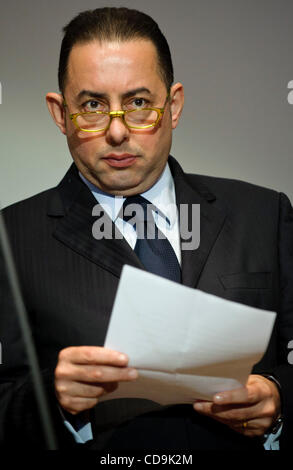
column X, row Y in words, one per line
column 152, row 247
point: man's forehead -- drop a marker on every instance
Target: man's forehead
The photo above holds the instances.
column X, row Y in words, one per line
column 100, row 53
column 122, row 61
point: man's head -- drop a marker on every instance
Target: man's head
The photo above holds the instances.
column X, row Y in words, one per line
column 117, row 59
column 114, row 25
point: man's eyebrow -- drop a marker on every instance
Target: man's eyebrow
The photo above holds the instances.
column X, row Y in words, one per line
column 136, row 91
column 94, row 94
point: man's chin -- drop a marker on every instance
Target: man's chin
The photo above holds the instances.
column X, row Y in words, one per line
column 125, row 187
column 122, row 190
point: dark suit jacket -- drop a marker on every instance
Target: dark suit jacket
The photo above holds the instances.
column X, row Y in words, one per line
column 69, row 281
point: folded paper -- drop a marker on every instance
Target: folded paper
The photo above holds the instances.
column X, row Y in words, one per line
column 186, row 344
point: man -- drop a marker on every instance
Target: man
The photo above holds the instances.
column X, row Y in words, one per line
column 117, row 108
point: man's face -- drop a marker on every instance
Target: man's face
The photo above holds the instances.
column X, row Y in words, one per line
column 113, row 76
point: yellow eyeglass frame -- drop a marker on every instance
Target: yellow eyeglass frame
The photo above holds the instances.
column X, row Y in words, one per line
column 120, row 114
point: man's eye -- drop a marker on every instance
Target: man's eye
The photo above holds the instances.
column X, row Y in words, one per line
column 92, row 105
column 139, row 103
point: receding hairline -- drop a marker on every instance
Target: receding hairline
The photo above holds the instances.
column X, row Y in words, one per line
column 117, row 40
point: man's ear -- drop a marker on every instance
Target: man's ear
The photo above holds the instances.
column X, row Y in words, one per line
column 57, row 110
column 177, row 103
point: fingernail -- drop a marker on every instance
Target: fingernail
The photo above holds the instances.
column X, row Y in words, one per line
column 133, row 374
column 198, row 406
column 218, row 398
column 122, row 357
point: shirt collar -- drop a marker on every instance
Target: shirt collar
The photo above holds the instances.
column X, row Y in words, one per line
column 161, row 195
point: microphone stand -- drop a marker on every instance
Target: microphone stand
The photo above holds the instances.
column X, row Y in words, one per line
column 28, row 340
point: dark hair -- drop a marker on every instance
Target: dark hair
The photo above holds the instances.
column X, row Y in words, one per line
column 114, row 24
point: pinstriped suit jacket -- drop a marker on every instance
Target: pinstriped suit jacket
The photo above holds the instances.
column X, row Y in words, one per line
column 69, row 281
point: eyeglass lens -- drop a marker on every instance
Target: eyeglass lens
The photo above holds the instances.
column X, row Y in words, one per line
column 142, row 117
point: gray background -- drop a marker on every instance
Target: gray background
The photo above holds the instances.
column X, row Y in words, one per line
column 235, row 58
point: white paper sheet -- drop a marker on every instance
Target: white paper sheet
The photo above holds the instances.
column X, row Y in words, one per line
column 186, row 344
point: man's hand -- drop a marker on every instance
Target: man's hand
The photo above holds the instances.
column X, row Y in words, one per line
column 250, row 410
column 84, row 373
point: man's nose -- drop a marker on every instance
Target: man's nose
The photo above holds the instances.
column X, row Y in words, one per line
column 117, row 131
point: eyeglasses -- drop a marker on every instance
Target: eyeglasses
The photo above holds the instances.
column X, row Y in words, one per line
column 97, row 121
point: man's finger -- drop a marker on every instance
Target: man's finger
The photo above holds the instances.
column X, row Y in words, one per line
column 82, row 390
column 239, row 396
column 227, row 413
column 93, row 355
column 94, row 374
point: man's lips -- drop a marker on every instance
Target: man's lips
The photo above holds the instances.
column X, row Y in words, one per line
column 120, row 160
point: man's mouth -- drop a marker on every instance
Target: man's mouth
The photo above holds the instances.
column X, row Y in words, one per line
column 121, row 160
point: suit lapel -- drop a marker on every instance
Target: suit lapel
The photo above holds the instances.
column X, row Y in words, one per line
column 211, row 222
column 72, row 203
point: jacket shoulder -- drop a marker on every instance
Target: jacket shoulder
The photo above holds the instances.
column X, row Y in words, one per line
column 229, row 185
column 31, row 205
column 235, row 193
column 41, row 200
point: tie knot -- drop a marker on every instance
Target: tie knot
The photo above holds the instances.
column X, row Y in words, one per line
column 139, row 207
column 143, row 207
column 139, row 212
